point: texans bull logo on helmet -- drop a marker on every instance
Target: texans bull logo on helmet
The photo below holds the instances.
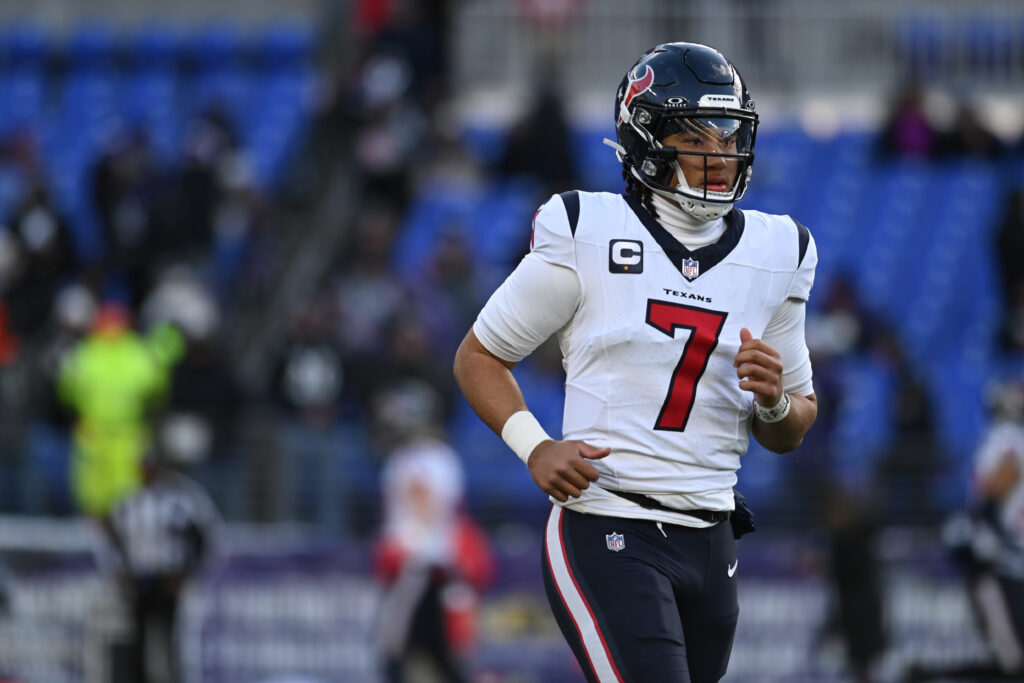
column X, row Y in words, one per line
column 637, row 86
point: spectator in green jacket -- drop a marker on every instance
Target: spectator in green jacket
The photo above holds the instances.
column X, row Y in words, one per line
column 113, row 380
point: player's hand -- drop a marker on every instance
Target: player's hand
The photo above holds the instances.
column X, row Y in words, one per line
column 562, row 469
column 759, row 368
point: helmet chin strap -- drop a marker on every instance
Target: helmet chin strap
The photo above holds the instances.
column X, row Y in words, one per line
column 688, row 211
column 670, row 210
column 702, row 211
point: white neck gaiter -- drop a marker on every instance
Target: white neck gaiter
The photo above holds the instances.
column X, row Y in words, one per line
column 692, row 232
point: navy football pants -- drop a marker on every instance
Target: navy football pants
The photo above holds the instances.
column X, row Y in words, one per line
column 661, row 608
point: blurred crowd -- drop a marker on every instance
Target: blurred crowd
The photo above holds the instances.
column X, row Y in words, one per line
column 145, row 334
column 180, row 242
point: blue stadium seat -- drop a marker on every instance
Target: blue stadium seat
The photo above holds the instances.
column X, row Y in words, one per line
column 216, row 46
column 156, row 47
column 149, row 96
column 894, row 199
column 22, row 93
column 781, row 170
column 502, row 217
column 957, row 390
column 281, row 99
column 89, row 91
column 963, row 202
column 760, row 475
column 596, row 165
column 270, row 144
column 229, row 88
column 13, row 182
column 150, row 101
column 830, row 201
column 92, row 45
column 864, row 425
column 287, row 46
column 24, row 46
column 438, row 207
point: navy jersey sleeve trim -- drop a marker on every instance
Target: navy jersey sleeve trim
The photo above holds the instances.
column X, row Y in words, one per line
column 572, row 208
column 804, row 237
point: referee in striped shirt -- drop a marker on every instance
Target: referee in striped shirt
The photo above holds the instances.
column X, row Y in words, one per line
column 162, row 532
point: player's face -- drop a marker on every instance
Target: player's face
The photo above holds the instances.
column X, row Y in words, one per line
column 709, row 137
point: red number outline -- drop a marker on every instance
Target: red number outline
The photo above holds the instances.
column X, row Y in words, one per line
column 705, row 327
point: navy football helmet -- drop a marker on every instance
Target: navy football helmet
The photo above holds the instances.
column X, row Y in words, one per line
column 692, row 94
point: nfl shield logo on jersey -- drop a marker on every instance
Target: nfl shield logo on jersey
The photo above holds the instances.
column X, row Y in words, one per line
column 691, row 268
column 616, row 541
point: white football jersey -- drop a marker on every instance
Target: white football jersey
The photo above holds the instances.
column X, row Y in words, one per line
column 1005, row 440
column 648, row 353
column 423, row 488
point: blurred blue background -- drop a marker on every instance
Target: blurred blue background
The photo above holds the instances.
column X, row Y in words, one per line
column 319, row 198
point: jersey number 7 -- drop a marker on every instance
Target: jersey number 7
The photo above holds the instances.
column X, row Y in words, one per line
column 705, row 326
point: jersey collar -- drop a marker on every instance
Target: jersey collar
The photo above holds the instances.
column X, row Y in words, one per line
column 708, row 256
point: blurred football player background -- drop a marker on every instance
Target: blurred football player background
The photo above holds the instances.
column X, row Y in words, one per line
column 294, row 205
column 431, row 556
column 987, row 540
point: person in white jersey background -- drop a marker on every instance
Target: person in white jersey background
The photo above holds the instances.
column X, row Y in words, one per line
column 681, row 323
column 988, row 542
column 432, row 558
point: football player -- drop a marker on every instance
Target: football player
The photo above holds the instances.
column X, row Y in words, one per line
column 681, row 323
column 988, row 542
column 431, row 557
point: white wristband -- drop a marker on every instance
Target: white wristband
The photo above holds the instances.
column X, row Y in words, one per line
column 522, row 433
column 777, row 413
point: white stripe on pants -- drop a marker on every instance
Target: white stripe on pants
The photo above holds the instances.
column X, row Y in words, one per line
column 575, row 603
